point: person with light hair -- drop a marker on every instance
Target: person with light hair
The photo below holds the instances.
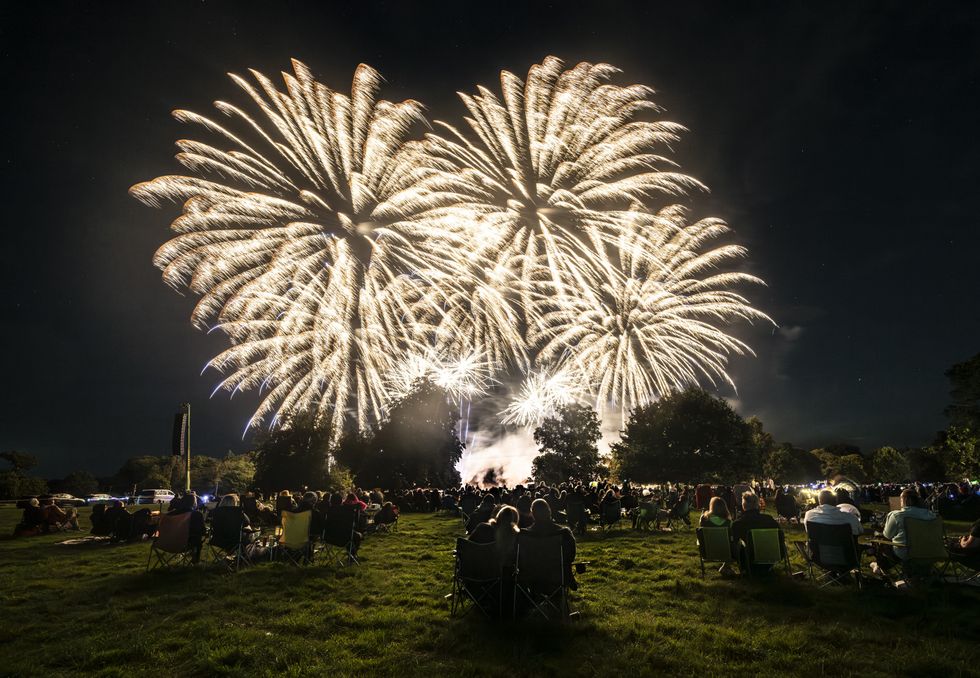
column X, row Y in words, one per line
column 827, row 513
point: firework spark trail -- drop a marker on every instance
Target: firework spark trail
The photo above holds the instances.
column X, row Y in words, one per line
column 344, row 259
column 316, row 247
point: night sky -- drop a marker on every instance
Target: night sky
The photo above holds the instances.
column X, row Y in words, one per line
column 839, row 140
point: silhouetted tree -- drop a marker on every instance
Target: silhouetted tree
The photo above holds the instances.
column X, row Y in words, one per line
column 789, row 465
column 416, row 444
column 567, row 444
column 292, row 455
column 687, row 436
column 964, row 380
column 889, row 465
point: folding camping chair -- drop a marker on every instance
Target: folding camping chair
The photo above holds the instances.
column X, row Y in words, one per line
column 338, row 535
column 646, row 514
column 171, row 546
column 227, row 545
column 833, row 549
column 927, row 559
column 609, row 515
column 295, row 545
column 477, row 581
column 467, row 504
column 765, row 546
column 539, row 577
column 680, row 512
column 714, row 546
column 576, row 516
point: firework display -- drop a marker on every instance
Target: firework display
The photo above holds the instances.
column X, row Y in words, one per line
column 346, row 252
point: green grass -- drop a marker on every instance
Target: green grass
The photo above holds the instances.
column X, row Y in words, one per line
column 92, row 610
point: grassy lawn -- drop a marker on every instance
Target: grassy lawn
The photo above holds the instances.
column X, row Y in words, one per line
column 92, row 610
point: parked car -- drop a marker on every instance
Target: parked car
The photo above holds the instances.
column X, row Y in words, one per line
column 65, row 499
column 155, row 497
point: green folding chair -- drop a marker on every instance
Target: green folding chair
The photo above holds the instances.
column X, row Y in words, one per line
column 766, row 546
column 928, row 559
column 714, row 546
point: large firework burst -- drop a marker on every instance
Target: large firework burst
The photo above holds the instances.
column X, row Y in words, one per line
column 653, row 313
column 341, row 257
column 313, row 245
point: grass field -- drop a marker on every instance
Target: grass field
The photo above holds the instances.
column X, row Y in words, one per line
column 92, row 610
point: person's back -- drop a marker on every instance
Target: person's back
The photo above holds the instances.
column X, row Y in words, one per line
column 894, row 528
column 544, row 526
column 827, row 513
column 751, row 519
column 717, row 514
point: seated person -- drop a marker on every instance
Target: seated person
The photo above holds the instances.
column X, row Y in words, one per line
column 501, row 531
column 340, row 523
column 352, row 500
column 966, row 549
column 285, row 502
column 679, row 510
column 195, row 538
column 845, row 503
column 483, row 513
column 717, row 514
column 250, row 534
column 118, row 521
column 544, row 526
column 387, row 515
column 32, row 521
column 100, row 527
column 827, row 513
column 786, row 506
column 59, row 519
column 751, row 518
column 575, row 510
column 888, row 556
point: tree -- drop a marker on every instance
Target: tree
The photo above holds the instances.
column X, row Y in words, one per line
column 145, row 471
column 964, row 379
column 790, row 465
column 961, row 453
column 14, row 482
column 416, row 444
column 292, row 455
column 567, row 445
column 687, row 436
column 889, row 465
column 927, row 464
column 80, row 483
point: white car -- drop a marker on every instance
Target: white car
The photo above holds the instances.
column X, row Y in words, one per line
column 155, row 497
column 65, row 499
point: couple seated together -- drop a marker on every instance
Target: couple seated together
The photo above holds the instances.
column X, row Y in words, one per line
column 502, row 532
column 751, row 518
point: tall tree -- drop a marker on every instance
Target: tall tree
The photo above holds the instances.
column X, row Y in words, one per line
column 80, row 483
column 889, row 465
column 292, row 455
column 14, row 481
column 568, row 445
column 789, row 465
column 688, row 436
column 416, row 444
column 964, row 381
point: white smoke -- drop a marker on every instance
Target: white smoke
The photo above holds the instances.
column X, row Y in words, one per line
column 506, row 459
column 509, row 457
